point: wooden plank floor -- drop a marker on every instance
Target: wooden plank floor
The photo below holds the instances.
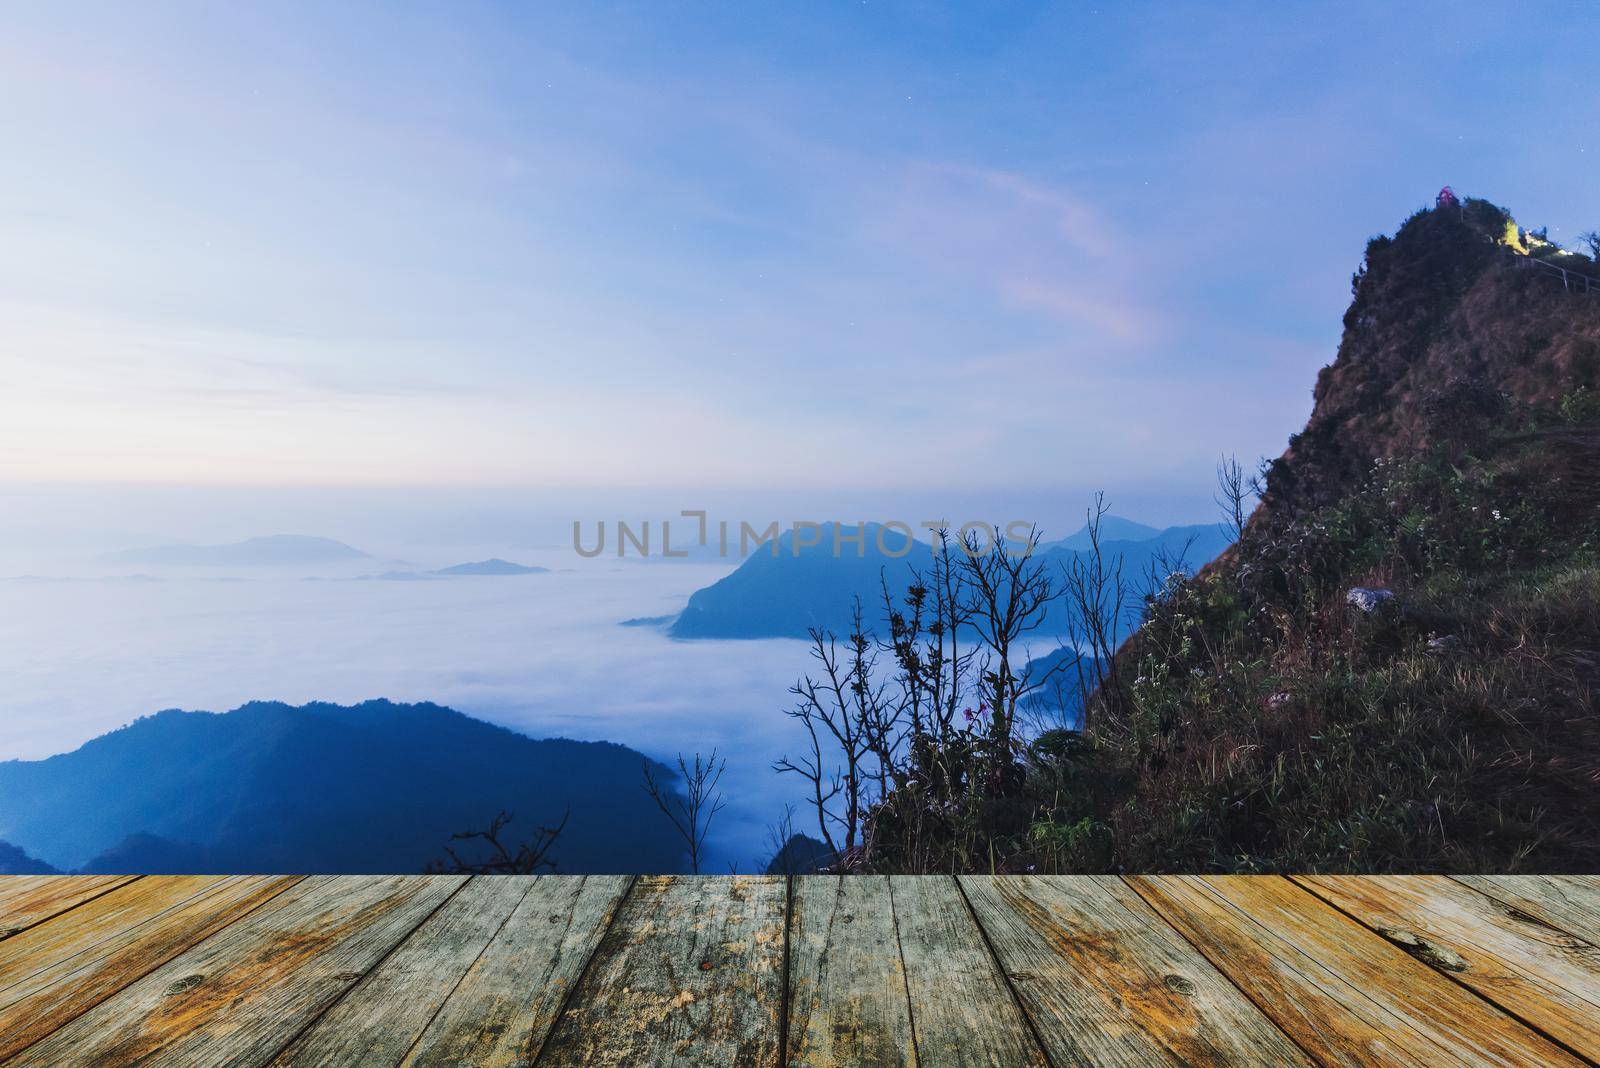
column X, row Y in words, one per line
column 820, row 970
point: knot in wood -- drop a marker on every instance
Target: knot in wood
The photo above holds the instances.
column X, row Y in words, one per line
column 184, row 985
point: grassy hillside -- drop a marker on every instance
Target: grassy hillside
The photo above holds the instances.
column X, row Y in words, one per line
column 1394, row 669
column 1260, row 721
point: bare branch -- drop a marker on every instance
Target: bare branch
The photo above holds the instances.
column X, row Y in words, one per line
column 529, row 857
column 692, row 811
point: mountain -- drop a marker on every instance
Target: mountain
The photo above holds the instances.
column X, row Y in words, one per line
column 1056, row 682
column 1449, row 320
column 377, row 787
column 1187, row 548
column 151, row 854
column 14, row 861
column 495, row 566
column 783, row 593
column 1395, row 668
column 802, row 854
column 1112, row 528
column 273, row 551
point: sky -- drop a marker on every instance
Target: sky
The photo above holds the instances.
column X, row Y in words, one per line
column 702, row 248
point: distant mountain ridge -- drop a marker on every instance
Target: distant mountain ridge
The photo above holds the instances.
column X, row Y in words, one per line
column 1112, row 528
column 494, row 566
column 14, row 861
column 376, row 787
column 272, row 550
column 785, row 594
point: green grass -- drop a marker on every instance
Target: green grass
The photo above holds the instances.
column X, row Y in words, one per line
column 1265, row 725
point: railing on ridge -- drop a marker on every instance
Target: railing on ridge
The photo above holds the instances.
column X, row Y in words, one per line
column 1572, row 281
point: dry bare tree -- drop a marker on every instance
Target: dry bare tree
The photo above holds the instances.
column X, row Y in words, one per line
column 1097, row 601
column 928, row 640
column 691, row 811
column 779, row 835
column 884, row 716
column 1231, row 494
column 1237, row 493
column 528, row 858
column 1011, row 596
column 851, row 731
column 917, row 744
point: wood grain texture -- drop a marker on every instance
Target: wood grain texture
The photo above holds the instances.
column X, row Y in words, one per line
column 962, row 1009
column 385, row 1013
column 1568, row 902
column 242, row 995
column 1543, row 975
column 1342, row 992
column 691, row 973
column 55, row 972
column 27, row 900
column 506, row 1004
column 931, row 970
column 1107, row 982
column 848, row 1002
column 504, row 1007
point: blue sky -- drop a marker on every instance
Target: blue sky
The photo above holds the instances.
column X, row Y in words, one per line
column 808, row 245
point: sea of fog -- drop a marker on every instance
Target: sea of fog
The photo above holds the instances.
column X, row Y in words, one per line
column 86, row 647
column 88, row 644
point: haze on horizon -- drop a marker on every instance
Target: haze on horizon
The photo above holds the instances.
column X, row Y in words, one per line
column 849, row 247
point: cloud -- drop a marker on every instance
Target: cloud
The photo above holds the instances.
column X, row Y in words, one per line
column 1125, row 321
column 1079, row 221
column 115, row 341
column 1028, row 245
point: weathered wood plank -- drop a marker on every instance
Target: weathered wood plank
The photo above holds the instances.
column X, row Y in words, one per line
column 961, row 1007
column 506, row 1004
column 479, row 983
column 27, row 900
column 241, row 996
column 97, row 921
column 1543, row 975
column 848, row 1002
column 53, row 973
column 1106, row 981
column 14, row 885
column 1343, row 993
column 383, row 1014
column 691, row 973
column 394, row 969
column 1569, row 903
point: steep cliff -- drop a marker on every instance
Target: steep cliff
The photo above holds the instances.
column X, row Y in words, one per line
column 1446, row 326
column 1396, row 668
